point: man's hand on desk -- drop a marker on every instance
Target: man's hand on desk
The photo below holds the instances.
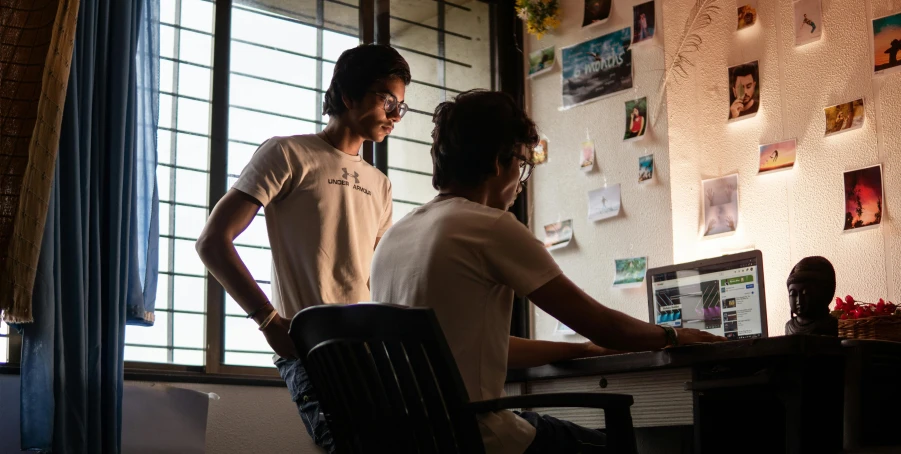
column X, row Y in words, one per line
column 689, row 336
column 590, row 350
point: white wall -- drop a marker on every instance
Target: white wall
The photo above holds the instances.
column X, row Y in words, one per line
column 559, row 189
column 798, row 213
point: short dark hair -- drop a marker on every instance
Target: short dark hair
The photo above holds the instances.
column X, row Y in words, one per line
column 357, row 69
column 741, row 71
column 474, row 131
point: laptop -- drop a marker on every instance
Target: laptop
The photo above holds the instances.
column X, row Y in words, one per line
column 723, row 296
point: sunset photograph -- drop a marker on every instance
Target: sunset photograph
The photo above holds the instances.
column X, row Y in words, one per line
column 777, row 156
column 863, row 197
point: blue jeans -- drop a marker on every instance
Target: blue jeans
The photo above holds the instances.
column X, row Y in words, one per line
column 301, row 389
column 554, row 436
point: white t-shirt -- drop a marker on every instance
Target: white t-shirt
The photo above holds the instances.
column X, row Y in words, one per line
column 465, row 260
column 324, row 211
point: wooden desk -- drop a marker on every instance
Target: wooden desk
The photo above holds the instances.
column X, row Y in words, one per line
column 781, row 394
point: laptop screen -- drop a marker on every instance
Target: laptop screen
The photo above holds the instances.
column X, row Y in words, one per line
column 722, row 296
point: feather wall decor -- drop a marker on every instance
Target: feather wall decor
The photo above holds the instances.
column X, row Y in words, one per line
column 699, row 18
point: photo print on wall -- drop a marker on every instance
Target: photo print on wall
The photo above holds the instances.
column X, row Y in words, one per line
column 747, row 14
column 630, row 272
column 596, row 12
column 596, row 68
column 586, row 156
column 541, row 61
column 636, row 119
column 643, row 22
column 844, row 117
column 558, row 235
column 720, row 205
column 887, row 44
column 808, row 21
column 646, row 168
column 539, row 153
column 744, row 90
column 863, row 197
column 604, row 203
column 777, row 156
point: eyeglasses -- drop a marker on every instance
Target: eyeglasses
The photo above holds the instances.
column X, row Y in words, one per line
column 525, row 169
column 392, row 103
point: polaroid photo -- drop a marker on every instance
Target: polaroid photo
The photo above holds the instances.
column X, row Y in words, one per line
column 720, row 205
column 844, row 117
column 558, row 235
column 629, row 273
column 747, row 14
column 586, row 157
column 646, row 169
column 744, row 91
column 604, row 203
column 808, row 21
column 636, row 119
column 864, row 201
column 596, row 12
column 541, row 61
column 643, row 22
column 887, row 44
column 777, row 156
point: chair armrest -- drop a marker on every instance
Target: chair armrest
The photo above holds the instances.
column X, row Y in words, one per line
column 582, row 400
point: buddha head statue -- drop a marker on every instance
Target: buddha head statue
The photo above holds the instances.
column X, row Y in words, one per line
column 811, row 286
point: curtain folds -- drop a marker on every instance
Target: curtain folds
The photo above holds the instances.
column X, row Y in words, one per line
column 97, row 267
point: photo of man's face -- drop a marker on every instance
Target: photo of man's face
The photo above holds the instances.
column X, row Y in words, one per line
column 744, row 88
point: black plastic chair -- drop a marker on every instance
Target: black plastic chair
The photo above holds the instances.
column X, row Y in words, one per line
column 387, row 382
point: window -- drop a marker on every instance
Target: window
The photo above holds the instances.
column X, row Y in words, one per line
column 448, row 48
column 282, row 55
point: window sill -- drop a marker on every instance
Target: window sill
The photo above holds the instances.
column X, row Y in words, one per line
column 182, row 377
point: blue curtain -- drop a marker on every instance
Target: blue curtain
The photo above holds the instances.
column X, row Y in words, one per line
column 98, row 259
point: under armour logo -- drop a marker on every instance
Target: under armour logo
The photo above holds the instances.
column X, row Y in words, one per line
column 355, row 175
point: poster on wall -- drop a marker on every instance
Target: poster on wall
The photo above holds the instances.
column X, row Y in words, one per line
column 586, row 156
column 863, row 198
column 808, row 21
column 747, row 14
column 777, row 156
column 541, row 61
column 596, row 12
column 844, row 117
column 887, row 44
column 629, row 273
column 744, row 91
column 636, row 119
column 539, row 153
column 604, row 203
column 597, row 68
column 646, row 169
column 558, row 235
column 643, row 22
column 720, row 205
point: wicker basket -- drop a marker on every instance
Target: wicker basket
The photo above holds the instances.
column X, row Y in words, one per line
column 873, row 328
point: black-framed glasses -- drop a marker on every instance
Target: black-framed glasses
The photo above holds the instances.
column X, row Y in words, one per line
column 392, row 103
column 525, row 169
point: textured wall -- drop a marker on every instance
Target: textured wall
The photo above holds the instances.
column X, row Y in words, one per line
column 559, row 188
column 798, row 213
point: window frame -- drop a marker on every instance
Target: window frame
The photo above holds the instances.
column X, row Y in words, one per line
column 374, row 27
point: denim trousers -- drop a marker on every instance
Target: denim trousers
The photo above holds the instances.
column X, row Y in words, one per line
column 303, row 395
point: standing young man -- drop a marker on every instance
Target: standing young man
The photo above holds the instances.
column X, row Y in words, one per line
column 471, row 255
column 326, row 210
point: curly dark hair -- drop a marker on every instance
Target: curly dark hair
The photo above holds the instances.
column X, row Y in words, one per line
column 475, row 130
column 357, row 69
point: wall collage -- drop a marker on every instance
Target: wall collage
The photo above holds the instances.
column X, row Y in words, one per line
column 602, row 66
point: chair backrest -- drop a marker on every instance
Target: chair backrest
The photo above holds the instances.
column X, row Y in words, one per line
column 386, row 379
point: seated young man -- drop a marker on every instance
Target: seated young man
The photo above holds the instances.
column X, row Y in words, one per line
column 470, row 255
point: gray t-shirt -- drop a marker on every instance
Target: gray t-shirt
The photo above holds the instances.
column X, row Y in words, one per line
column 465, row 260
column 324, row 211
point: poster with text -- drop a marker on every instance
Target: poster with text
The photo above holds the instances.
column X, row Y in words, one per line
column 596, row 68
column 720, row 205
column 604, row 203
column 887, row 44
column 629, row 272
column 863, row 198
column 777, row 156
column 808, row 21
column 596, row 12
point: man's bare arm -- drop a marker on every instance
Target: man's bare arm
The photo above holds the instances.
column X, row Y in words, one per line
column 525, row 353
